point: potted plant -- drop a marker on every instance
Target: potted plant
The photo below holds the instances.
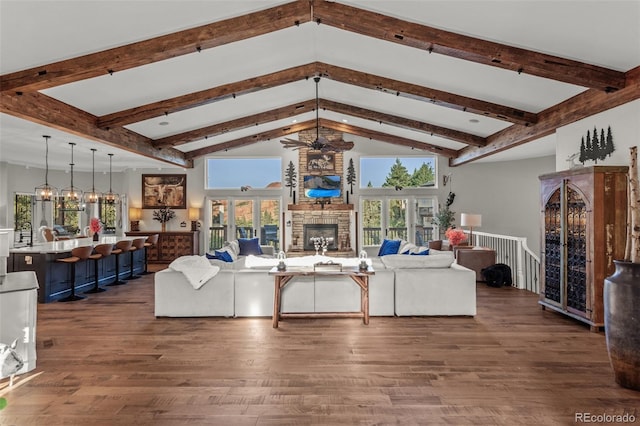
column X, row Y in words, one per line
column 445, row 218
column 622, row 295
column 163, row 216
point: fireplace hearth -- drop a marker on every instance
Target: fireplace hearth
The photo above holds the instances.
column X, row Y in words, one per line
column 329, row 231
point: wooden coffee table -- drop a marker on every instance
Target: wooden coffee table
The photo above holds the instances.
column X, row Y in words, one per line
column 359, row 277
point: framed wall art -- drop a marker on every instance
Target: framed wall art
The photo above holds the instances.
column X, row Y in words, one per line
column 164, row 191
column 320, row 162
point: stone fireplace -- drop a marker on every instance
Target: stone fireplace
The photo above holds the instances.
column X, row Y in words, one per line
column 308, row 218
column 327, row 230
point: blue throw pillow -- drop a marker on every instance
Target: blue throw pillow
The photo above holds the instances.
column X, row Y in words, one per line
column 223, row 255
column 211, row 256
column 389, row 247
column 249, row 246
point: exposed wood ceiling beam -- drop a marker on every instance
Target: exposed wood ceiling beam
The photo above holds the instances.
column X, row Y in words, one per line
column 344, row 75
column 385, row 137
column 311, row 124
column 158, row 48
column 335, row 14
column 203, row 97
column 308, row 106
column 405, row 123
column 426, row 94
column 248, row 140
column 238, row 124
column 460, row 46
column 42, row 109
column 583, row 105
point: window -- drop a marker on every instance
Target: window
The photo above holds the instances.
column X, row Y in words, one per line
column 67, row 215
column 404, row 172
column 108, row 216
column 244, row 173
column 22, row 204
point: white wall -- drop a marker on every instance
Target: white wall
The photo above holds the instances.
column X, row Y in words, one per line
column 625, row 128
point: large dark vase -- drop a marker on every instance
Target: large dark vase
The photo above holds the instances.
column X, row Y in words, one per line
column 622, row 322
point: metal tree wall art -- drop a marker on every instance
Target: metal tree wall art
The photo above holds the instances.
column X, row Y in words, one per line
column 595, row 147
column 290, row 177
column 351, row 175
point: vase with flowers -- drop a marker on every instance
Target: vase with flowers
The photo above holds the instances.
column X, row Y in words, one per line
column 455, row 236
column 95, row 226
column 164, row 215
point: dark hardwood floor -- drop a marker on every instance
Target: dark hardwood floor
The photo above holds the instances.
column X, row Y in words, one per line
column 107, row 361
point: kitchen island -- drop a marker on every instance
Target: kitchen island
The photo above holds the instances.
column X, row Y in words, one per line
column 54, row 277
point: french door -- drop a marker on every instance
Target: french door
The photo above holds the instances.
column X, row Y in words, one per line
column 232, row 218
column 406, row 218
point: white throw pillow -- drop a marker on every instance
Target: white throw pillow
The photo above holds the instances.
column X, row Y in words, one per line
column 233, row 248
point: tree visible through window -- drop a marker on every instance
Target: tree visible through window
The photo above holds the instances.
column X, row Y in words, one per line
column 406, row 172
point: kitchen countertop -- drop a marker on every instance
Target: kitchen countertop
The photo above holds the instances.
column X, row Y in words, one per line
column 65, row 246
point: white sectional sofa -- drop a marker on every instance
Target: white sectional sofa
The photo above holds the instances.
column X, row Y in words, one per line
column 402, row 285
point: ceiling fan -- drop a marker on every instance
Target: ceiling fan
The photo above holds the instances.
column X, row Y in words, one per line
column 320, row 143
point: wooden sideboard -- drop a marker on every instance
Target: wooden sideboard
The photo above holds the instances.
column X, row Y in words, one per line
column 171, row 245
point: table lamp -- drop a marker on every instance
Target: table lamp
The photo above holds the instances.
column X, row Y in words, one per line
column 471, row 220
column 135, row 214
column 194, row 216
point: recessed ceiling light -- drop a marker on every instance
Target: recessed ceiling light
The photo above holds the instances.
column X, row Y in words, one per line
column 474, row 120
column 163, row 123
column 294, row 121
column 344, row 120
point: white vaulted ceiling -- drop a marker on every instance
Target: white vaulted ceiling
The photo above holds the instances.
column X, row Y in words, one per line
column 36, row 33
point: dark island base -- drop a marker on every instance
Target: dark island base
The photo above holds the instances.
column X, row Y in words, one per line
column 54, row 278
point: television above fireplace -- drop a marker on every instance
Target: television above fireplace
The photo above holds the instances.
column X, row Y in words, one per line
column 322, row 186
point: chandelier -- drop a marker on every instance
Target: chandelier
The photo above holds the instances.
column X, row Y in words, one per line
column 111, row 197
column 46, row 192
column 71, row 196
column 92, row 197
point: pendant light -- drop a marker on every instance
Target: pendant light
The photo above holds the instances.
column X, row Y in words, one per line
column 92, row 197
column 71, row 195
column 111, row 197
column 46, row 192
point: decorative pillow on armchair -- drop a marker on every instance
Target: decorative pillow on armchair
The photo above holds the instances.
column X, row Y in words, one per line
column 249, row 246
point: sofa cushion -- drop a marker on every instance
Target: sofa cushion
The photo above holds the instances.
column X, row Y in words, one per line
column 389, row 247
column 249, row 246
column 400, row 261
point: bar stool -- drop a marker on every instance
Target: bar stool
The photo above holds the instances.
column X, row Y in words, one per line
column 100, row 252
column 122, row 247
column 151, row 241
column 136, row 244
column 77, row 254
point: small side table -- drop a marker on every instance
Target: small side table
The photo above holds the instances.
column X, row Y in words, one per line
column 476, row 259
